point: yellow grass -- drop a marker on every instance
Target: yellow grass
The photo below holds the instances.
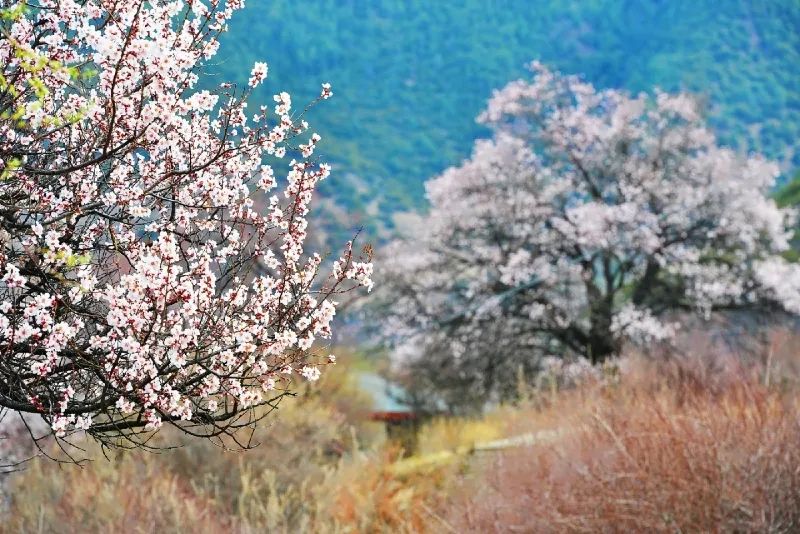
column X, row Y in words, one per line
column 666, row 447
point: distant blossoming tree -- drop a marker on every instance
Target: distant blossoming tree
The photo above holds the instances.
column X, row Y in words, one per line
column 152, row 267
column 586, row 220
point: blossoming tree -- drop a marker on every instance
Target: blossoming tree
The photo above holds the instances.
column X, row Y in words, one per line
column 151, row 258
column 588, row 220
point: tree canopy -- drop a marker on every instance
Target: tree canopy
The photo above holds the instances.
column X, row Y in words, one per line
column 590, row 219
column 152, row 261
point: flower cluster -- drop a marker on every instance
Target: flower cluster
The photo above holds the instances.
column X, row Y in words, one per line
column 154, row 267
column 258, row 74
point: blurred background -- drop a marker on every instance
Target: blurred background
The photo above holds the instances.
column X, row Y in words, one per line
column 410, row 77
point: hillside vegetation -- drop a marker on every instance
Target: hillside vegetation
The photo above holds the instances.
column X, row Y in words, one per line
column 409, row 78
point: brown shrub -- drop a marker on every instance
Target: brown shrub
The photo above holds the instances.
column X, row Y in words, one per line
column 691, row 444
column 657, row 453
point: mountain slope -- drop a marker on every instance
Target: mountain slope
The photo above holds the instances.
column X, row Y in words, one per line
column 410, row 76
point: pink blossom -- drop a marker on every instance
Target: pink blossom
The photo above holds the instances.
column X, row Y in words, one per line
column 149, row 277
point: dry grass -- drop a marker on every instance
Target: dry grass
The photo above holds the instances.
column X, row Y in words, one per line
column 693, row 445
column 124, row 496
column 662, row 451
column 320, row 467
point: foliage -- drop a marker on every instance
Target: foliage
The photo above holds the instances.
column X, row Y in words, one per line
column 145, row 277
column 789, row 196
column 589, row 220
column 410, row 76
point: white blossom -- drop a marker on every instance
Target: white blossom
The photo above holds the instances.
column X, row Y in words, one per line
column 588, row 218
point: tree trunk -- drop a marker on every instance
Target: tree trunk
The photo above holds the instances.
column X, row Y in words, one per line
column 602, row 344
column 601, row 347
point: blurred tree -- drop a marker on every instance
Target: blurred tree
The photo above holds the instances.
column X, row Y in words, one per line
column 587, row 221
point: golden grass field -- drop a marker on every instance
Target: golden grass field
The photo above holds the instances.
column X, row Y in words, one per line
column 690, row 445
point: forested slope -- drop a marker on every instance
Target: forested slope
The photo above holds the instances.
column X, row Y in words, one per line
column 410, row 76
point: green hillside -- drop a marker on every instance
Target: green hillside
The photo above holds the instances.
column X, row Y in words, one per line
column 410, row 76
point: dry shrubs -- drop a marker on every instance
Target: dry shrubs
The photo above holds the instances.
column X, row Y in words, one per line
column 320, row 467
column 692, row 445
column 656, row 453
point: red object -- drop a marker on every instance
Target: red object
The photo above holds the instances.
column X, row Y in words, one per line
column 392, row 416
